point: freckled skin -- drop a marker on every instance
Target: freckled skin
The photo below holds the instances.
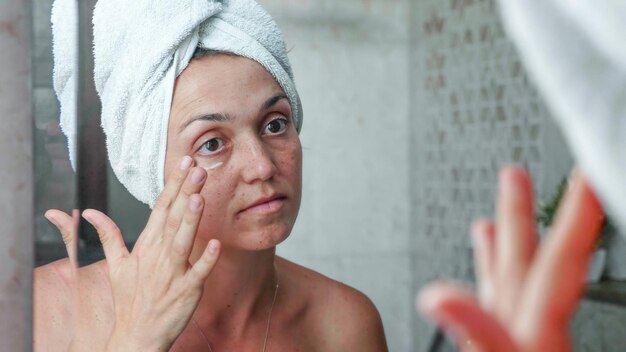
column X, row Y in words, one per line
column 254, row 165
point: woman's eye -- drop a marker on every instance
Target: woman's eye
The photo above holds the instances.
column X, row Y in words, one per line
column 212, row 146
column 276, row 126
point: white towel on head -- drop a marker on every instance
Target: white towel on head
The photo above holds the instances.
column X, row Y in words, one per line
column 575, row 53
column 65, row 75
column 140, row 47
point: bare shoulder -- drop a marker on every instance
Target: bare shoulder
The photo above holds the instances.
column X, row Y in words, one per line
column 59, row 291
column 52, row 285
column 343, row 318
column 53, row 305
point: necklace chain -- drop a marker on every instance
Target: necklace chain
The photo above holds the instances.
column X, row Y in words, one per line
column 269, row 319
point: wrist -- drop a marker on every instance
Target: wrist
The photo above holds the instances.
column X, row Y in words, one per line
column 125, row 342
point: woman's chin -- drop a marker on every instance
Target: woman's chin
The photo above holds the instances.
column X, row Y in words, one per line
column 258, row 239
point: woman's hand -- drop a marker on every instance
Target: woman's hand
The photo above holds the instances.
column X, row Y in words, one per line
column 155, row 288
column 68, row 226
column 526, row 294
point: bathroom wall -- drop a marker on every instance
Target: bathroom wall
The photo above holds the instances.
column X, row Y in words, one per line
column 15, row 177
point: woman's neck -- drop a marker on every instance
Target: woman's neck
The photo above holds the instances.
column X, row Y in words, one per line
column 239, row 290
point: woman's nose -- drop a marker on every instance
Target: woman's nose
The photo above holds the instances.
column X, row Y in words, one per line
column 257, row 163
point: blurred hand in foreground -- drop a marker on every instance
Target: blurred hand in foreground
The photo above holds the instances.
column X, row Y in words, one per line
column 526, row 292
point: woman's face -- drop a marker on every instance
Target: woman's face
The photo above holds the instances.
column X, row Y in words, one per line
column 230, row 115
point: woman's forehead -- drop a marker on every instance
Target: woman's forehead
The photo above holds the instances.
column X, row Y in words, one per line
column 222, row 84
column 221, row 72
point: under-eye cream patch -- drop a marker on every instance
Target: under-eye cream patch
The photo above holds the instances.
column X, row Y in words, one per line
column 214, row 166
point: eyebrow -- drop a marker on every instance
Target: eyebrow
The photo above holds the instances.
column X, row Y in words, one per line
column 215, row 117
column 272, row 101
column 221, row 117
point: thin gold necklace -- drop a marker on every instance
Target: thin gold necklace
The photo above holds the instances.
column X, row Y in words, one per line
column 269, row 319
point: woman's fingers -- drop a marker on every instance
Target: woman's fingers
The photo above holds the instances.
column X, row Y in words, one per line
column 483, row 237
column 201, row 269
column 192, row 185
column 556, row 281
column 154, row 228
column 110, row 236
column 456, row 310
column 516, row 241
column 68, row 227
column 184, row 238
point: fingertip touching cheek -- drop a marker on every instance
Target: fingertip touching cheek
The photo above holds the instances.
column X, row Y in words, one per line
column 229, row 114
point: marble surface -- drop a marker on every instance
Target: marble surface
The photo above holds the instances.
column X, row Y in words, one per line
column 15, row 177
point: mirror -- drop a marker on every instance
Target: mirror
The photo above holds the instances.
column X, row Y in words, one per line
column 411, row 107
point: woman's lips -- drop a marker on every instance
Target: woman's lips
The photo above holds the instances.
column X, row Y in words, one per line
column 266, row 206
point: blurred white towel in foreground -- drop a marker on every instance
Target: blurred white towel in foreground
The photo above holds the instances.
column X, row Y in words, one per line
column 576, row 54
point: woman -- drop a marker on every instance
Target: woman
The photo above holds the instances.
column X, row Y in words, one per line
column 203, row 275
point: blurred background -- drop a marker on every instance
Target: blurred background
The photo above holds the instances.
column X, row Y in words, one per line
column 411, row 107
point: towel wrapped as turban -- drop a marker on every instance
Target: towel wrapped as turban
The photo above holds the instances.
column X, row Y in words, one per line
column 140, row 47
